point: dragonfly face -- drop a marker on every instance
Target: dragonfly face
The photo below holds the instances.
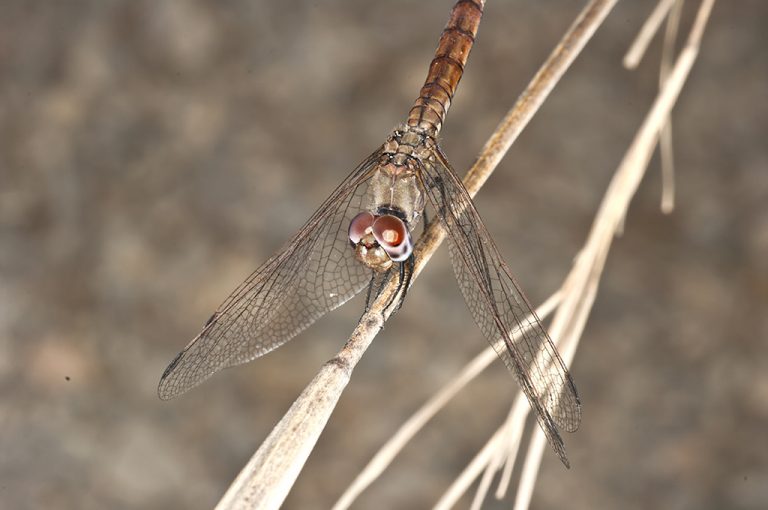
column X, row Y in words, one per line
column 380, row 240
column 381, row 235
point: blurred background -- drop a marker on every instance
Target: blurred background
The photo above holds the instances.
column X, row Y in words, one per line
column 152, row 154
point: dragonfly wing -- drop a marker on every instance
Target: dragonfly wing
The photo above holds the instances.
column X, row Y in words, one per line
column 500, row 308
column 315, row 273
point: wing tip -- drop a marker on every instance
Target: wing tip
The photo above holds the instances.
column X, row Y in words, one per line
column 165, row 390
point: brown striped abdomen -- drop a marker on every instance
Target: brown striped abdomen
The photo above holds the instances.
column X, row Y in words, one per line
column 446, row 68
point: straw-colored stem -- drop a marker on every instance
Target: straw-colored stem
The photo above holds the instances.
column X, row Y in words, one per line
column 650, row 27
column 666, row 147
column 416, row 422
column 537, row 91
column 471, row 472
column 571, row 314
column 580, row 287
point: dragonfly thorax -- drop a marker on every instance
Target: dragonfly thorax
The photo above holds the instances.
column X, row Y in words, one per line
column 396, row 181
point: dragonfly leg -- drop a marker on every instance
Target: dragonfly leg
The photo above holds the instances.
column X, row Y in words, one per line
column 396, row 295
column 406, row 275
column 402, row 288
column 369, row 294
column 403, row 284
column 378, row 281
column 396, row 299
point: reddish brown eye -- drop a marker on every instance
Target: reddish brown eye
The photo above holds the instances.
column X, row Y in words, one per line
column 359, row 225
column 392, row 234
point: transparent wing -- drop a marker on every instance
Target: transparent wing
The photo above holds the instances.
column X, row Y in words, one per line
column 500, row 308
column 315, row 273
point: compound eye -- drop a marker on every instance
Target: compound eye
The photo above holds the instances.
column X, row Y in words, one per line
column 392, row 235
column 359, row 225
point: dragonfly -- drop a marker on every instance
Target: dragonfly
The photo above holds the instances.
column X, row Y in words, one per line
column 362, row 236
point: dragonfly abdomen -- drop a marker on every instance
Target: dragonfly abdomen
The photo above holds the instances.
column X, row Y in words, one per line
column 446, row 68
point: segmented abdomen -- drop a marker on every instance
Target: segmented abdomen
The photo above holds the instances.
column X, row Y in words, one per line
column 446, row 68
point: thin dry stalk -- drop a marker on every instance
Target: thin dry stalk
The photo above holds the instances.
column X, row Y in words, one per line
column 579, row 295
column 472, row 471
column 513, row 446
column 507, row 454
column 665, row 143
column 426, row 412
column 478, row 464
column 485, row 481
column 580, row 287
column 650, row 27
column 632, row 59
column 561, row 58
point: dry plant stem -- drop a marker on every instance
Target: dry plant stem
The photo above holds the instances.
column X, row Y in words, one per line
column 265, row 481
column 513, row 446
column 472, row 471
column 665, row 142
column 486, row 459
column 579, row 294
column 416, row 422
column 505, row 456
column 579, row 291
column 650, row 27
column 581, row 285
column 508, row 130
column 631, row 60
column 538, row 90
column 478, row 464
column 490, row 469
column 510, row 440
column 269, row 475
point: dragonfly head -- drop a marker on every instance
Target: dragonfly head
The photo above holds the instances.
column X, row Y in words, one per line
column 380, row 240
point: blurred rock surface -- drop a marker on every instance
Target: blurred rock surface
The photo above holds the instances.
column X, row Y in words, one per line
column 152, row 154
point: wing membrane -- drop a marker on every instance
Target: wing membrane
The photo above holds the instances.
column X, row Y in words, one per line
column 500, row 308
column 315, row 273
